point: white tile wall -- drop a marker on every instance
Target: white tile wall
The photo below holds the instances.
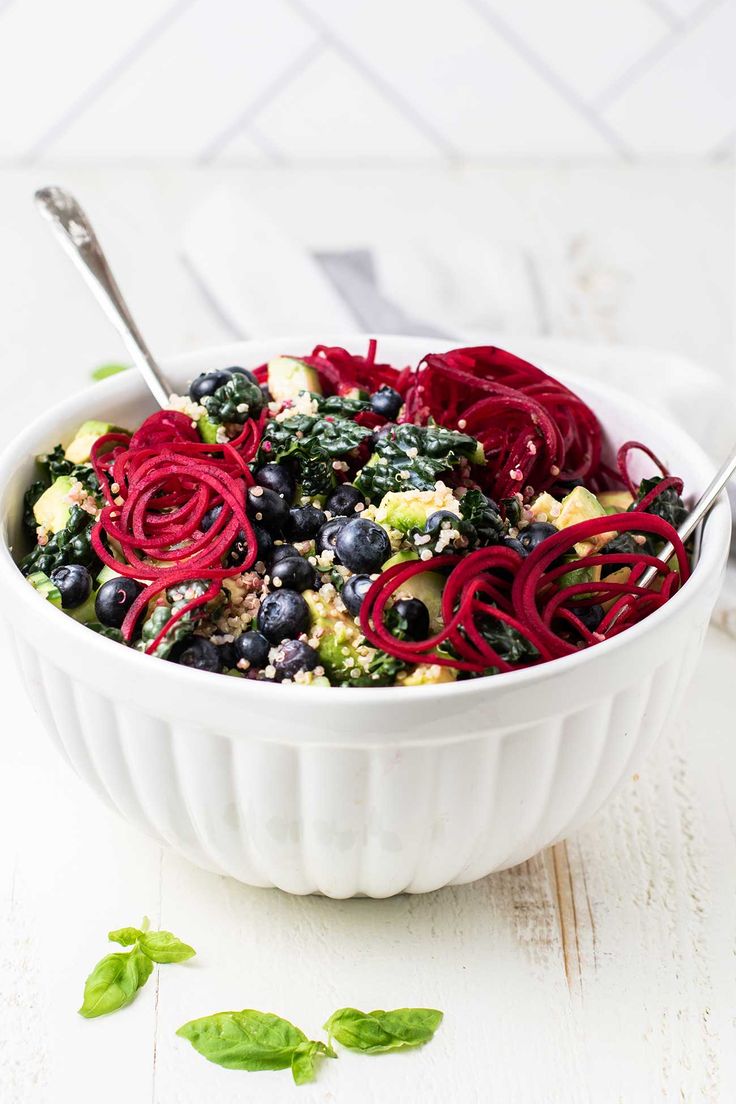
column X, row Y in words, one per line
column 310, row 80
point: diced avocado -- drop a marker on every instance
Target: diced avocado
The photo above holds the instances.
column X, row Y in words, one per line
column 207, row 430
column 615, row 502
column 478, row 457
column 287, row 376
column 405, row 510
column 80, row 447
column 45, row 587
column 427, row 674
column 581, row 505
column 52, row 509
column 545, row 504
column 86, row 612
column 107, row 573
column 337, row 644
column 404, row 556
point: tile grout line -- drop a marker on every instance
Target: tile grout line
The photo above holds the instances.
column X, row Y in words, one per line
column 540, row 67
column 383, row 87
column 105, row 81
column 660, row 50
column 284, row 78
column 666, row 15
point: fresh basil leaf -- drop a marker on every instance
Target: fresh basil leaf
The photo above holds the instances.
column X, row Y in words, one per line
column 106, row 370
column 379, row 1031
column 114, row 982
column 162, row 946
column 125, row 936
column 247, row 1040
column 303, row 1058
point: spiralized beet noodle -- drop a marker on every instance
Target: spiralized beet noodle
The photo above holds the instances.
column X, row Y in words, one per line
column 537, row 435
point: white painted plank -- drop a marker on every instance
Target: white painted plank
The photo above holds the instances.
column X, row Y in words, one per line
column 192, row 84
column 331, row 111
column 52, row 55
column 684, row 103
column 587, row 43
column 471, row 87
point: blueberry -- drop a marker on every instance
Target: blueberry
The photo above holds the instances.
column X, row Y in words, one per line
column 264, row 543
column 243, row 372
column 210, row 518
column 305, row 522
column 200, row 654
column 445, row 520
column 535, row 533
column 74, row 583
column 386, row 402
column 226, row 653
column 294, row 573
column 591, row 616
column 362, row 545
column 515, row 545
column 207, row 383
column 114, row 599
column 354, row 591
column 252, row 647
column 266, row 506
column 343, row 500
column 328, row 533
column 292, row 657
column 277, row 478
column 284, row 552
column 283, row 615
column 416, row 616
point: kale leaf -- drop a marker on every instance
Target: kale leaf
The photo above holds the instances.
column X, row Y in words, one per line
column 341, row 405
column 30, row 498
column 386, row 666
column 480, row 512
column 667, row 505
column 506, row 640
column 56, row 464
column 413, row 456
column 223, row 404
column 71, row 545
column 313, row 441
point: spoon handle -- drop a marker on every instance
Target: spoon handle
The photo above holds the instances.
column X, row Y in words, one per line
column 74, row 231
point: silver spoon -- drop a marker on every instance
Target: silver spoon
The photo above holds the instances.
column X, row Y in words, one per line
column 694, row 519
column 74, row 230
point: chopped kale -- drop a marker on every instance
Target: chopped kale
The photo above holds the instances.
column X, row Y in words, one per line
column 30, row 498
column 71, row 545
column 506, row 640
column 56, row 464
column 413, row 456
column 161, row 615
column 341, row 405
column 225, row 404
column 385, row 666
column 478, row 510
column 668, row 505
column 314, row 442
column 511, row 510
column 105, row 630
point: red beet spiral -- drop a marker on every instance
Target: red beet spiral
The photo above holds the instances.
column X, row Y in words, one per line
column 158, row 485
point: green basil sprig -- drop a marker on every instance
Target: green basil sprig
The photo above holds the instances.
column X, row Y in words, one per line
column 117, row 977
column 379, row 1031
column 255, row 1041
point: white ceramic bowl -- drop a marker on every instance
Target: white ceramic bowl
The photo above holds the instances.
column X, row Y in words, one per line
column 360, row 791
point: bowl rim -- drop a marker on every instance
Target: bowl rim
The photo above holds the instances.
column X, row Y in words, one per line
column 714, row 545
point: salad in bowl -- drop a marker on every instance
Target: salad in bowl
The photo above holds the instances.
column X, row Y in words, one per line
column 328, row 519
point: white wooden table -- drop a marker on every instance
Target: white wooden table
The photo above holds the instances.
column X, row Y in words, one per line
column 602, row 970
